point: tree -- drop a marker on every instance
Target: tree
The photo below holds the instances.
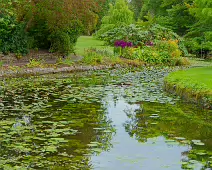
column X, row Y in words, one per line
column 202, row 11
column 118, row 15
column 136, row 6
column 152, row 7
column 54, row 24
column 200, row 33
column 105, row 6
column 178, row 17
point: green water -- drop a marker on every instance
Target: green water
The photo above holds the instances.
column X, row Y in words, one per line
column 101, row 120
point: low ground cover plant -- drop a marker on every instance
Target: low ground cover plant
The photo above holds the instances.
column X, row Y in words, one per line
column 35, row 63
column 99, row 56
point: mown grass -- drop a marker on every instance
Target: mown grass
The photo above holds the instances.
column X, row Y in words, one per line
column 195, row 83
column 201, row 76
column 86, row 42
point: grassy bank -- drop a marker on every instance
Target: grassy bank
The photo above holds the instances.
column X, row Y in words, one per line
column 194, row 85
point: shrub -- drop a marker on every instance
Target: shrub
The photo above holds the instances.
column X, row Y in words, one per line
column 171, row 46
column 39, row 34
column 131, row 33
column 67, row 61
column 51, row 24
column 35, row 63
column 160, row 52
column 199, row 47
column 146, row 54
column 60, row 42
column 141, row 36
column 13, row 36
column 92, row 57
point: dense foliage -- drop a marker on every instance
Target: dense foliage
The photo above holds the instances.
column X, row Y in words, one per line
column 119, row 15
column 189, row 18
column 13, row 37
column 56, row 25
column 49, row 24
column 151, row 44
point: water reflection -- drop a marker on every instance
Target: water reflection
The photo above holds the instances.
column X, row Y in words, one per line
column 171, row 126
column 100, row 121
column 128, row 153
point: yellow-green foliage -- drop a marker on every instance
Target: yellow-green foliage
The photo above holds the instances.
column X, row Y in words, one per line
column 118, row 15
column 171, row 46
column 99, row 56
column 35, row 63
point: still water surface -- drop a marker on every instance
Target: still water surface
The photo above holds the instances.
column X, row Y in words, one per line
column 102, row 120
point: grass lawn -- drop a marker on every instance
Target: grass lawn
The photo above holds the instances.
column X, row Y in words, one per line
column 85, row 42
column 201, row 76
column 195, row 81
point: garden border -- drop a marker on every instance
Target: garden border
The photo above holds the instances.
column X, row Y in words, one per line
column 42, row 71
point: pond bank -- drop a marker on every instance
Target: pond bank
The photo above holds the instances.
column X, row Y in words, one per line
column 193, row 85
column 52, row 67
column 51, row 70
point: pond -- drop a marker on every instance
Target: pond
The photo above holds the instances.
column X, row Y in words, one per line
column 101, row 120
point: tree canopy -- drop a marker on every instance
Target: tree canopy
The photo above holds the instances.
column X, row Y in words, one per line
column 50, row 24
column 56, row 25
column 118, row 15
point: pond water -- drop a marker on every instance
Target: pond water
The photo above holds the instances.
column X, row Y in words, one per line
column 101, row 120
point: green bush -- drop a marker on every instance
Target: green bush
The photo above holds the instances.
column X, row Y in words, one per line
column 161, row 52
column 130, row 32
column 140, row 35
column 39, row 34
column 35, row 63
column 60, row 42
column 92, row 57
column 57, row 40
column 152, row 44
column 13, row 36
column 147, row 54
column 199, row 46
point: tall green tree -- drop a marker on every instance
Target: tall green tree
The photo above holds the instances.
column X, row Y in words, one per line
column 105, row 6
column 202, row 11
column 178, row 17
column 152, row 7
column 200, row 33
column 136, row 6
column 118, row 15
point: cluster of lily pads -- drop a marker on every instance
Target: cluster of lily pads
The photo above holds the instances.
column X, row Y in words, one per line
column 61, row 120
